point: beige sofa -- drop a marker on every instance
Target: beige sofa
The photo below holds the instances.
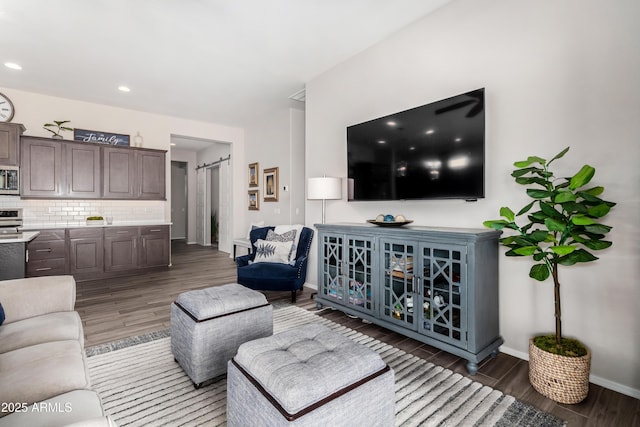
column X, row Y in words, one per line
column 43, row 375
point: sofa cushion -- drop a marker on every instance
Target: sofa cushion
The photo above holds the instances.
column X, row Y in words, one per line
column 273, row 251
column 40, row 329
column 75, row 406
column 42, row 371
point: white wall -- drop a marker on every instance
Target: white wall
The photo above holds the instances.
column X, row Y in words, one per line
column 556, row 74
column 277, row 141
column 33, row 110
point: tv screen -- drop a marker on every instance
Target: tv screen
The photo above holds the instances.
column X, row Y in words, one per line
column 435, row 151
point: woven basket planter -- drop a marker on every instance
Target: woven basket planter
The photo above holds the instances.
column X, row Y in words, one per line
column 563, row 379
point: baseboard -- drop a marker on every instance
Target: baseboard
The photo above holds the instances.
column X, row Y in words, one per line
column 602, row 382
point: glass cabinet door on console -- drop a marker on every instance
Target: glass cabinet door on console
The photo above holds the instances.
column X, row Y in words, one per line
column 398, row 290
column 347, row 271
column 443, row 293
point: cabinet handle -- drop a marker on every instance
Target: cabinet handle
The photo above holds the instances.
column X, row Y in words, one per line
column 155, row 231
column 122, row 232
column 134, row 243
column 43, row 250
column 43, row 269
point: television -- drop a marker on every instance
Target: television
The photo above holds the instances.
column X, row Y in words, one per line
column 435, row 151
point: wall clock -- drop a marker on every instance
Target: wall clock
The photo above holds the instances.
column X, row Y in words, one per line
column 6, row 109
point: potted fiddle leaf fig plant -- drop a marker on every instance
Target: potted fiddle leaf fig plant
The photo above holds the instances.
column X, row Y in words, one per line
column 562, row 228
column 57, row 127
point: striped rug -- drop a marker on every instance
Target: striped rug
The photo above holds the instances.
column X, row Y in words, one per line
column 141, row 385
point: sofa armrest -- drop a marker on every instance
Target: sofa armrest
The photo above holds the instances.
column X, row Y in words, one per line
column 35, row 296
column 243, row 260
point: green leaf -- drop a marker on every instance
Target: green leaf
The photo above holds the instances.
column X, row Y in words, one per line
column 540, row 272
column 525, row 209
column 554, row 225
column 579, row 255
column 526, row 250
column 550, row 211
column 562, row 250
column 582, row 177
column 526, row 180
column 598, row 211
column 565, row 196
column 530, row 160
column 539, row 236
column 559, row 155
column 598, row 228
column 582, row 220
column 572, row 207
column 597, row 245
column 496, row 224
column 520, row 172
column 507, row 213
column 538, row 194
column 595, row 191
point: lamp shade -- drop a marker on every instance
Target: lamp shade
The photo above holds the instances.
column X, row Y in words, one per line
column 325, row 188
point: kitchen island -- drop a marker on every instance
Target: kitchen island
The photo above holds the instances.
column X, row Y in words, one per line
column 13, row 254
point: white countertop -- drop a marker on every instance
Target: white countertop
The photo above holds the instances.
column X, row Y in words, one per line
column 84, row 225
column 25, row 237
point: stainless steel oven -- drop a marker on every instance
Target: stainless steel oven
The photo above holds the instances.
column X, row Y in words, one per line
column 10, row 222
column 10, row 180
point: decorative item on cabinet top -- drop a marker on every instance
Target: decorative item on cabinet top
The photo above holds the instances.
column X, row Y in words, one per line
column 99, row 137
column 56, row 128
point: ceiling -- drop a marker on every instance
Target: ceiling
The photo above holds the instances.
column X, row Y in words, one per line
column 220, row 61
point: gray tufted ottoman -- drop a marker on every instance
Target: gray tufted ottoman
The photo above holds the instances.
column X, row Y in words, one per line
column 309, row 376
column 208, row 326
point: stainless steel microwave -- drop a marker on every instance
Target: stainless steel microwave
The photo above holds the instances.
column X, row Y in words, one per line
column 9, row 180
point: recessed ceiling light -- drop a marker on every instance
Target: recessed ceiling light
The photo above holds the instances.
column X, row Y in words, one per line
column 430, row 132
column 391, row 123
column 124, row 89
column 173, row 144
column 12, row 65
column 382, row 142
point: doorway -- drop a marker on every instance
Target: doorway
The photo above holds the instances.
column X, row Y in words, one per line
column 179, row 200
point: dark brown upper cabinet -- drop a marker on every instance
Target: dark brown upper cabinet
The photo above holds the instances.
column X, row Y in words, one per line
column 9, row 141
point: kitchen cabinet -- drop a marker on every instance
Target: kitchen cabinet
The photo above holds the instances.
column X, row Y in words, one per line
column 52, row 169
column 120, row 248
column 40, row 167
column 9, row 143
column 90, row 253
column 134, row 173
column 155, row 248
column 86, row 251
column 436, row 285
column 47, row 254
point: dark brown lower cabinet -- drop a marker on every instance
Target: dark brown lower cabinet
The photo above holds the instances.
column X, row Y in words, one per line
column 98, row 252
column 86, row 250
column 120, row 248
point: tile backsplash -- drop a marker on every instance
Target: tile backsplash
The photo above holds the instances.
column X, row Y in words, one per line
column 74, row 212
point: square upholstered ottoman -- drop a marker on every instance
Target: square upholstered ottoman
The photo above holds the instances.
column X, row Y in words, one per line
column 208, row 326
column 309, row 376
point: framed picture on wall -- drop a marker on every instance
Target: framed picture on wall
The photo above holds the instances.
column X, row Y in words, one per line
column 270, row 183
column 253, row 200
column 253, row 174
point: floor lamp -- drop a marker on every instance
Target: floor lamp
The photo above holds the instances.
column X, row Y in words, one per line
column 324, row 188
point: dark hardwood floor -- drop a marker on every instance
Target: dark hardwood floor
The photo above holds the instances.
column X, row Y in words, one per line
column 112, row 309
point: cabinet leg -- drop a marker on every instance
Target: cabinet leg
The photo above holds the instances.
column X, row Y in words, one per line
column 472, row 367
column 494, row 353
column 318, row 305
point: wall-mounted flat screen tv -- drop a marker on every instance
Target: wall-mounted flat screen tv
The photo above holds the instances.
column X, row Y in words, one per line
column 435, row 151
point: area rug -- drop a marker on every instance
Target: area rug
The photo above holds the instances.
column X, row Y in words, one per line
column 141, row 385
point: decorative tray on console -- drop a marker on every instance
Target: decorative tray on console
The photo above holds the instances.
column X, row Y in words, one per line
column 389, row 223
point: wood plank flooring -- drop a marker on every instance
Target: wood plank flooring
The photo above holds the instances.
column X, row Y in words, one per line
column 118, row 308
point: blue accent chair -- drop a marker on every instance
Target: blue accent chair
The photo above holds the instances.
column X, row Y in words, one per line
column 270, row 276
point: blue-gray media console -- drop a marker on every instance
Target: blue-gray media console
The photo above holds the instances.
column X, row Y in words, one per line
column 436, row 285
